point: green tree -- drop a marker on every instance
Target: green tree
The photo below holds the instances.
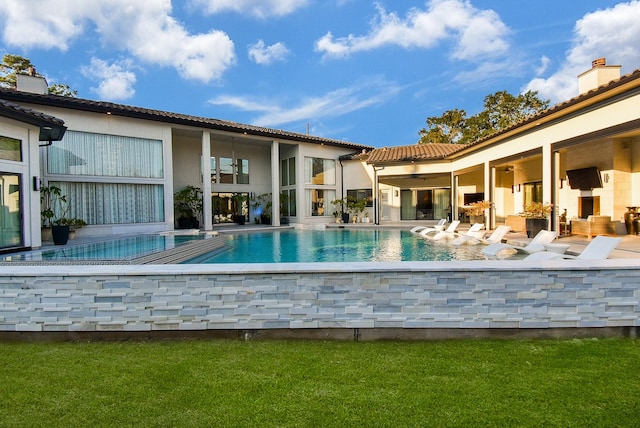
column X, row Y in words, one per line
column 501, row 110
column 62, row 89
column 12, row 65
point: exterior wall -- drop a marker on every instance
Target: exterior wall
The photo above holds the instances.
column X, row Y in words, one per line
column 416, row 295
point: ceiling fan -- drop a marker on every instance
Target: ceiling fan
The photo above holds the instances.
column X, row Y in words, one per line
column 508, row 169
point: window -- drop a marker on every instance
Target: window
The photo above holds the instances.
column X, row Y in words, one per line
column 288, row 203
column 10, row 149
column 362, row 194
column 320, row 171
column 226, row 170
column 229, row 171
column 532, row 192
column 114, row 203
column 288, row 172
column 319, row 202
column 243, row 171
column 101, row 155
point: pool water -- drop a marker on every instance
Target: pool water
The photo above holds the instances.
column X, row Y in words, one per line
column 335, row 245
column 117, row 249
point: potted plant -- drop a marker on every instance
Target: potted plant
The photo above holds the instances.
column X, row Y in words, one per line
column 188, row 205
column 343, row 214
column 356, row 207
column 240, row 200
column 54, row 206
column 74, row 224
column 477, row 210
column 537, row 217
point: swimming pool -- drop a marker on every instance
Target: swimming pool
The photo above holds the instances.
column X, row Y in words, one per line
column 116, row 249
column 334, row 245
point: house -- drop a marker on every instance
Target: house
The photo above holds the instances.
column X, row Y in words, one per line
column 121, row 165
column 582, row 156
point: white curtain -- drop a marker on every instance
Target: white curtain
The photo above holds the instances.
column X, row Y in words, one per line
column 100, row 155
column 108, row 203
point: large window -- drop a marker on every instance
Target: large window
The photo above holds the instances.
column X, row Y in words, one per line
column 319, row 202
column 427, row 204
column 320, row 171
column 100, row 155
column 532, row 192
column 360, row 194
column 229, row 171
column 288, row 203
column 114, row 203
column 10, row 149
column 288, row 172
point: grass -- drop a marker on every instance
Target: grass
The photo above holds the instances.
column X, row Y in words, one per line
column 191, row 383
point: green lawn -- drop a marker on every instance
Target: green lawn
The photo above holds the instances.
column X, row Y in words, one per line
column 224, row 383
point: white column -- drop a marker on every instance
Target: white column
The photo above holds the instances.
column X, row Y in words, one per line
column 275, row 183
column 488, row 193
column 205, row 160
column 547, row 174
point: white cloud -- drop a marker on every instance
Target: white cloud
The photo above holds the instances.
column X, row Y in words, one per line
column 611, row 33
column 265, row 55
column 477, row 33
column 331, row 104
column 258, row 8
column 544, row 65
column 116, row 81
column 144, row 29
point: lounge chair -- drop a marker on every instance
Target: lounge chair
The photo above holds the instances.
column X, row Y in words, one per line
column 439, row 226
column 598, row 249
column 452, row 228
column 494, row 238
column 536, row 244
column 475, row 230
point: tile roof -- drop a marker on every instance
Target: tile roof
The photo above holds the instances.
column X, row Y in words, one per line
column 167, row 117
column 50, row 127
column 416, row 152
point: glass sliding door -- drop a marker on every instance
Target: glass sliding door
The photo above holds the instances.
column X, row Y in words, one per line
column 10, row 211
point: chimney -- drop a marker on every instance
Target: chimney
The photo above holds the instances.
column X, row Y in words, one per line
column 600, row 74
column 32, row 82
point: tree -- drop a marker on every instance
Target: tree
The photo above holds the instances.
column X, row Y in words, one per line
column 62, row 90
column 501, row 110
column 12, row 65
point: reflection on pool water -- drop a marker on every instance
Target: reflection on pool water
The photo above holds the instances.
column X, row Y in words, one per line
column 335, row 245
column 117, row 249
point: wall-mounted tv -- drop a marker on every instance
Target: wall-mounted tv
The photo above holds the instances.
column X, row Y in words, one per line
column 584, row 178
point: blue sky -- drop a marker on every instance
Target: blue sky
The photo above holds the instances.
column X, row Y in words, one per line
column 355, row 70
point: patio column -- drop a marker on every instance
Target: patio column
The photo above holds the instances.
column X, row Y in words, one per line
column 488, row 192
column 205, row 160
column 275, row 183
column 547, row 174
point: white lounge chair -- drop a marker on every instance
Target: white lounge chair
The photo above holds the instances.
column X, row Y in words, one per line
column 438, row 226
column 475, row 230
column 536, row 244
column 452, row 228
column 494, row 238
column 598, row 249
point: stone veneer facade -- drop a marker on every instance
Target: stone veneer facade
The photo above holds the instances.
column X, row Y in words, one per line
column 463, row 296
